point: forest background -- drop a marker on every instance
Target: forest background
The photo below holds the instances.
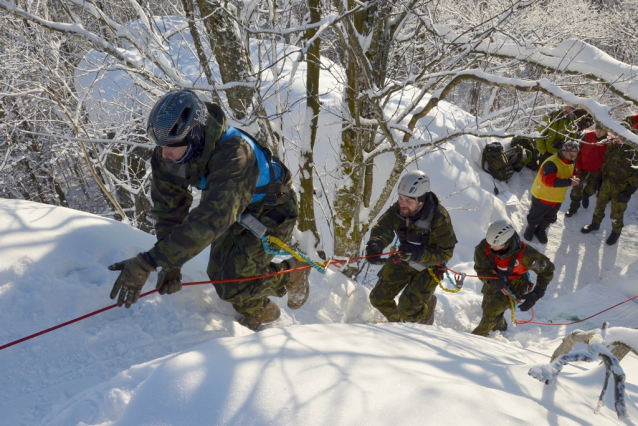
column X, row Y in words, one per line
column 79, row 77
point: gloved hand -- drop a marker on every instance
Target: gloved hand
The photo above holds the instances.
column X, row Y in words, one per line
column 530, row 299
column 129, row 283
column 498, row 284
column 625, row 196
column 501, row 274
column 411, row 252
column 374, row 248
column 169, row 281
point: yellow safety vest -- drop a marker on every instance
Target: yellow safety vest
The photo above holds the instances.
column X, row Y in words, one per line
column 550, row 193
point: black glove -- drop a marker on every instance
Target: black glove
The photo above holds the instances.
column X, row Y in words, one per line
column 374, row 248
column 530, row 299
column 411, row 252
column 169, row 282
column 501, row 274
column 129, row 283
column 497, row 284
column 624, row 196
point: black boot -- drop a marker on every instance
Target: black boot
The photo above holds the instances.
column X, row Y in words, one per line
column 589, row 228
column 573, row 208
column 541, row 233
column 529, row 233
column 585, row 202
column 613, row 238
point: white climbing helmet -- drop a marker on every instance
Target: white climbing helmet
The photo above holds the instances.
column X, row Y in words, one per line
column 414, row 184
column 500, row 232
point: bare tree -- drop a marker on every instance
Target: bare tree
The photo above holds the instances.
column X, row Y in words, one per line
column 392, row 64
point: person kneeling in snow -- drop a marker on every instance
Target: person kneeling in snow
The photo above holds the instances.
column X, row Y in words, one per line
column 424, row 229
column 238, row 178
column 505, row 257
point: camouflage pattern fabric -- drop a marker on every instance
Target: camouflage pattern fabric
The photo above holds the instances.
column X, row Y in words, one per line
column 495, row 303
column 618, row 175
column 587, row 187
column 438, row 240
column 418, row 288
column 231, row 173
column 554, row 128
column 238, row 253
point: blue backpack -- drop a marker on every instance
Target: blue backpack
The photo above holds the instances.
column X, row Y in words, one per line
column 270, row 169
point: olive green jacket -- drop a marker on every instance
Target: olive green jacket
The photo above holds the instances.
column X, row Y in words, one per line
column 438, row 239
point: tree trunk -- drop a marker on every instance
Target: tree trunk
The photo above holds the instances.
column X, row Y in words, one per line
column 306, row 175
column 231, row 55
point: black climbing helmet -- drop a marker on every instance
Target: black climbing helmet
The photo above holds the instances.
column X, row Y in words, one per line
column 177, row 119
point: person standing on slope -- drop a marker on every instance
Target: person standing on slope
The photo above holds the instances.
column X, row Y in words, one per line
column 550, row 186
column 238, row 179
column 620, row 182
column 505, row 257
column 588, row 165
column 424, row 230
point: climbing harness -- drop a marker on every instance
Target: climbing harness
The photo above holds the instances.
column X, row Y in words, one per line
column 259, row 230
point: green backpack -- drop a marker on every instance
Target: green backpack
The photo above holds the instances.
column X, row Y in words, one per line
column 495, row 162
column 532, row 151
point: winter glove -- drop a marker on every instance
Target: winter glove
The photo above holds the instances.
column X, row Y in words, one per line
column 501, row 274
column 530, row 299
column 411, row 252
column 135, row 272
column 497, row 284
column 169, row 281
column 374, row 248
column 625, row 195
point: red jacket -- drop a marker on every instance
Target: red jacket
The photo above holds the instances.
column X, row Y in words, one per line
column 592, row 153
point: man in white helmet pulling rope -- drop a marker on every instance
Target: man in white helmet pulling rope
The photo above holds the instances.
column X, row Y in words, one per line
column 424, row 229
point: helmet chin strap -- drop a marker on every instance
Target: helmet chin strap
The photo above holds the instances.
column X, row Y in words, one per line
column 186, row 155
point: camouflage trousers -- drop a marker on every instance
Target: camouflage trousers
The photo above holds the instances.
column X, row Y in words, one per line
column 418, row 289
column 239, row 254
column 609, row 192
column 589, row 184
column 494, row 305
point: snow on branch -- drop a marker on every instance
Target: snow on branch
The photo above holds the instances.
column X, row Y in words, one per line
column 601, row 113
column 595, row 339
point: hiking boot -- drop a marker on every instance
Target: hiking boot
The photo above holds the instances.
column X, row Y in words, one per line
column 297, row 285
column 529, row 233
column 589, row 228
column 541, row 233
column 585, row 202
column 429, row 317
column 613, row 238
column 573, row 208
column 501, row 326
column 270, row 313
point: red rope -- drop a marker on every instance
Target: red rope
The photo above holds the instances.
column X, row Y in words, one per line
column 48, row 330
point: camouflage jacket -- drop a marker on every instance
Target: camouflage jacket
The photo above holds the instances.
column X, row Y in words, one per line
column 531, row 260
column 619, row 163
column 555, row 127
column 231, row 173
column 438, row 238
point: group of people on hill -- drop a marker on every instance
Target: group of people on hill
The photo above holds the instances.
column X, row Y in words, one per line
column 569, row 157
column 246, row 194
column 426, row 240
column 588, row 162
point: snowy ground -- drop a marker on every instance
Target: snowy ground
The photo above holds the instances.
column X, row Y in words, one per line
column 183, row 360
